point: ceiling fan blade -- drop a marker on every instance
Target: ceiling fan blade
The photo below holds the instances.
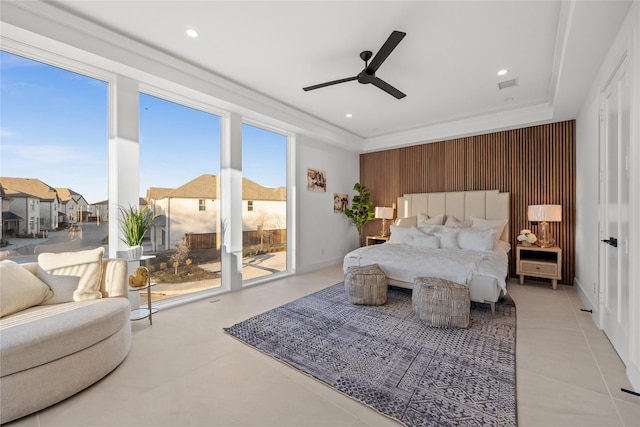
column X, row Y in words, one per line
column 394, row 39
column 334, row 82
column 388, row 88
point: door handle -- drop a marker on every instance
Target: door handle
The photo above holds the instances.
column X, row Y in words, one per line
column 612, row 241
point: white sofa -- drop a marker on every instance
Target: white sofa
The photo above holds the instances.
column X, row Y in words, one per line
column 53, row 350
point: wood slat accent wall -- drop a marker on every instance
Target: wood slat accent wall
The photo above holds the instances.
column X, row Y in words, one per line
column 535, row 164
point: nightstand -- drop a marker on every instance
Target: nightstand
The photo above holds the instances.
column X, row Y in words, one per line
column 539, row 262
column 376, row 240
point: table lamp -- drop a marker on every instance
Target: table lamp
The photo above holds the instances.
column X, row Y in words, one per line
column 384, row 213
column 545, row 214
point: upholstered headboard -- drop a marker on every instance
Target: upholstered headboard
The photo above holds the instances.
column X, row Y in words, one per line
column 487, row 204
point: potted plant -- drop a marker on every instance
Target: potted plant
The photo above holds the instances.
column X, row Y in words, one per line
column 360, row 212
column 135, row 222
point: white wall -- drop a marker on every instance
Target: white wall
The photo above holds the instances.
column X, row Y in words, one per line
column 587, row 170
column 324, row 237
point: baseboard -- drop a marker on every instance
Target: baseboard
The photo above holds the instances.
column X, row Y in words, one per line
column 633, row 373
column 587, row 301
column 319, row 265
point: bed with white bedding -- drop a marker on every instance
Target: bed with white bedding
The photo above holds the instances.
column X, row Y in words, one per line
column 458, row 236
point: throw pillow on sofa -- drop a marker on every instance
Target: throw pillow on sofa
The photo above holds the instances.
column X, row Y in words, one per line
column 72, row 276
column 19, row 289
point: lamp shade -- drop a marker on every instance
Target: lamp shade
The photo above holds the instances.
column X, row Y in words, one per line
column 549, row 213
column 384, row 213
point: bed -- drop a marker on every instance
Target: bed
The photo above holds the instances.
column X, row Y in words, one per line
column 460, row 236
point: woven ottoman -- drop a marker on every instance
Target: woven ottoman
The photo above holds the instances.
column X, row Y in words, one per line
column 366, row 285
column 441, row 303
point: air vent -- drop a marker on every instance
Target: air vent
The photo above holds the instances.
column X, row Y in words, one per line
column 507, row 83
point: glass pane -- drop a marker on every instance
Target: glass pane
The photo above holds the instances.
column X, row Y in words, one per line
column 179, row 171
column 53, row 159
column 264, row 202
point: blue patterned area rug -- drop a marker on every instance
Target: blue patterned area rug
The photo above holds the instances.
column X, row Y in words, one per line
column 388, row 359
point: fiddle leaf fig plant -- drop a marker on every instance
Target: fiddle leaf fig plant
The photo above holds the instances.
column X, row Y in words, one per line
column 361, row 209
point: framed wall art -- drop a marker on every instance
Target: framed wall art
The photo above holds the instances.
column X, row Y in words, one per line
column 316, row 180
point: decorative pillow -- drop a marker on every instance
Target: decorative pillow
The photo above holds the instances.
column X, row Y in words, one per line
column 475, row 239
column 19, row 289
column 453, row 222
column 497, row 224
column 424, row 219
column 398, row 233
column 430, row 229
column 409, row 236
column 429, row 241
column 407, row 222
column 72, row 276
column 448, row 239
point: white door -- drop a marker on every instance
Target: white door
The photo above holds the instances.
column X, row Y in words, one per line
column 614, row 201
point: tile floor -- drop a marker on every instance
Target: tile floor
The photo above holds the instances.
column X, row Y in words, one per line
column 184, row 371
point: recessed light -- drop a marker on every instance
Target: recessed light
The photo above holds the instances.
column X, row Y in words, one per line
column 192, row 33
column 502, row 72
column 349, row 115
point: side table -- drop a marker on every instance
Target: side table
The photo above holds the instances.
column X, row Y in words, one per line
column 143, row 313
column 376, row 240
column 539, row 262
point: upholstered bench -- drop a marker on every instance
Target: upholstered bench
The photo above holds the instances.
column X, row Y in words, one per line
column 366, row 285
column 441, row 303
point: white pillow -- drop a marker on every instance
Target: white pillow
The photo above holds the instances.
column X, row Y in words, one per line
column 413, row 232
column 398, row 233
column 425, row 219
column 453, row 222
column 476, row 240
column 407, row 222
column 429, row 241
column 497, row 224
column 72, row 276
column 19, row 288
column 430, row 229
column 448, row 239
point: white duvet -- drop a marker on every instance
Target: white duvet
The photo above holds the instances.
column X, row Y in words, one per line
column 404, row 262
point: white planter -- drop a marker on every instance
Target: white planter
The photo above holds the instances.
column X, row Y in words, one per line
column 135, row 252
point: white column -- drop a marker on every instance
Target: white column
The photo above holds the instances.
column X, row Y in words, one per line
column 231, row 201
column 124, row 162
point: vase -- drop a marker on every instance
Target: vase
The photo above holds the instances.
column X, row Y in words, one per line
column 135, row 252
column 525, row 243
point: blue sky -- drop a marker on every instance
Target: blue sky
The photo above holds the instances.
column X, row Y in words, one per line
column 53, row 126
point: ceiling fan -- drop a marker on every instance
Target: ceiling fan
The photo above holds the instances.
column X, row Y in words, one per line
column 368, row 74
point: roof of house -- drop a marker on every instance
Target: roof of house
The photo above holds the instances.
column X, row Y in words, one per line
column 155, row 193
column 206, row 187
column 28, row 187
column 67, row 194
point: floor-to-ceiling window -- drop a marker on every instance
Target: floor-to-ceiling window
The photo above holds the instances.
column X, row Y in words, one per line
column 53, row 161
column 179, row 180
column 56, row 130
column 264, row 202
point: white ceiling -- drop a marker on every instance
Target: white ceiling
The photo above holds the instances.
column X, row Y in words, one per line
column 446, row 64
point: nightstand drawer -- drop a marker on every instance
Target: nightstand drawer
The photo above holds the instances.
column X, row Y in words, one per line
column 533, row 267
